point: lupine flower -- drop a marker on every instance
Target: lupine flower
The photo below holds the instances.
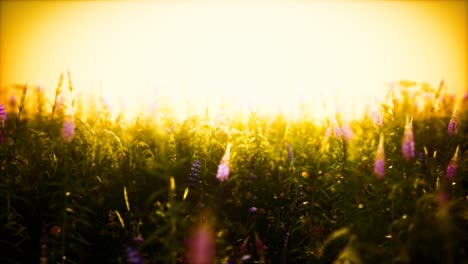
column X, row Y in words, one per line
column 379, row 166
column 68, row 131
column 347, row 133
column 259, row 245
column 452, row 167
column 290, row 153
column 253, row 209
column 194, row 172
column 336, row 129
column 407, row 146
column 201, row 246
column 452, row 126
column 243, row 247
column 377, row 118
column 223, row 168
column 328, row 132
column 3, row 115
column 133, row 256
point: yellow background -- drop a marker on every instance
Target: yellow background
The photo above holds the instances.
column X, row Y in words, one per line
column 271, row 54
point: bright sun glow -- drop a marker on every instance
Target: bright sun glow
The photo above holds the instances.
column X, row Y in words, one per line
column 269, row 56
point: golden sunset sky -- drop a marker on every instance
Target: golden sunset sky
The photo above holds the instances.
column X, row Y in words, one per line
column 270, row 54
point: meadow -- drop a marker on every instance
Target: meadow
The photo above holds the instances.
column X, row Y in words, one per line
column 390, row 187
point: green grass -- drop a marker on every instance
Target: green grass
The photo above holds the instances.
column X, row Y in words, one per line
column 317, row 199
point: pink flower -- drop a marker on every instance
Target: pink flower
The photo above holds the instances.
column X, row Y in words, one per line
column 377, row 118
column 379, row 165
column 68, row 131
column 337, row 130
column 407, row 146
column 201, row 246
column 223, row 168
column 347, row 133
column 3, row 115
column 452, row 167
column 452, row 126
column 259, row 245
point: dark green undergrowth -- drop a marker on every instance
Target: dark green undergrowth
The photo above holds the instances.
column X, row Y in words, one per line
column 308, row 197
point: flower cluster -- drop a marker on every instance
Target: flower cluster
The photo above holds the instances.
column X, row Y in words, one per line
column 194, row 172
column 452, row 167
column 133, row 256
column 223, row 168
column 376, row 117
column 3, row 115
column 379, row 165
column 407, row 146
column 3, row 118
column 452, row 126
column 68, row 131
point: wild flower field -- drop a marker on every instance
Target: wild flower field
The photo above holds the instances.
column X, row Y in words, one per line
column 391, row 187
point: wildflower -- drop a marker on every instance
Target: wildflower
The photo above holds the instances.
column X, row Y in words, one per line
column 253, row 209
column 347, row 133
column 452, row 126
column 376, row 118
column 3, row 115
column 201, row 246
column 223, row 168
column 194, row 172
column 452, row 167
column 379, row 166
column 328, row 132
column 259, row 245
column 243, row 247
column 336, row 129
column 290, row 153
column 407, row 146
column 68, row 131
column 133, row 256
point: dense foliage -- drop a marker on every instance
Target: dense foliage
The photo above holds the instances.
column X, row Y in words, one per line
column 77, row 189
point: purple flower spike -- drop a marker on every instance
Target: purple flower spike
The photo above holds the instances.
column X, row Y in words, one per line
column 68, row 132
column 223, row 168
column 379, row 165
column 407, row 146
column 133, row 256
column 379, row 168
column 259, row 245
column 452, row 126
column 253, row 209
column 451, row 171
column 347, row 132
column 194, row 172
column 377, row 118
column 3, row 115
column 337, row 130
column 452, row 167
